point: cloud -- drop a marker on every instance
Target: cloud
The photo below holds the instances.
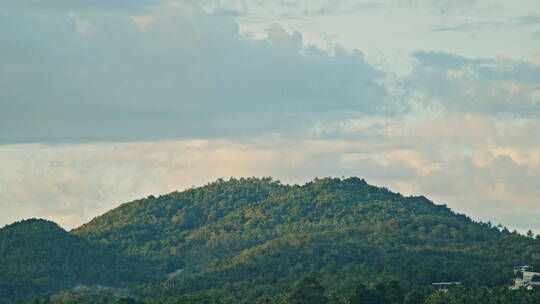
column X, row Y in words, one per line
column 180, row 98
column 443, row 6
column 497, row 86
column 84, row 6
column 467, row 26
column 536, row 59
column 176, row 72
column 144, row 22
column 83, row 27
column 529, row 20
column 471, row 162
column 287, row 8
column 488, row 22
column 322, row 7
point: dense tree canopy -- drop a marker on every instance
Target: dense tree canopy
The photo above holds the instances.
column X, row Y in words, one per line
column 251, row 239
column 309, row 291
column 37, row 257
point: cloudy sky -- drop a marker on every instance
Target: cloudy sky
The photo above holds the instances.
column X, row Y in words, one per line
column 102, row 102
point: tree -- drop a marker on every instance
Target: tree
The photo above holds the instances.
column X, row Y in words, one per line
column 393, row 293
column 307, row 291
column 437, row 298
column 128, row 301
column 380, row 291
column 364, row 295
column 414, row 297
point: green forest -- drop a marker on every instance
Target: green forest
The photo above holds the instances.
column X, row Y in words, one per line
column 256, row 240
column 308, row 290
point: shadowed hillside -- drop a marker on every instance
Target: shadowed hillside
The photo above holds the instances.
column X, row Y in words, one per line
column 38, row 258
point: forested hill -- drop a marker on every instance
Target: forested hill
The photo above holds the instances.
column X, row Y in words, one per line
column 252, row 238
column 223, row 218
column 38, row 258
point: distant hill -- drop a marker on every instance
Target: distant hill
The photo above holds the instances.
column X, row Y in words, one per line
column 250, row 238
column 223, row 218
column 38, row 258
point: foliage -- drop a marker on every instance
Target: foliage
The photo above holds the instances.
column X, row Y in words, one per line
column 37, row 257
column 249, row 240
column 203, row 225
column 307, row 291
column 329, row 229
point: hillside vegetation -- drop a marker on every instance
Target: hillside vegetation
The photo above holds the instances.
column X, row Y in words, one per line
column 223, row 218
column 38, row 258
column 253, row 238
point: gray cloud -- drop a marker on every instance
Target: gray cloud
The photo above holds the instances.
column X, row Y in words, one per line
column 500, row 23
column 468, row 26
column 443, row 6
column 287, row 8
column 177, row 73
column 82, row 5
column 529, row 20
column 495, row 86
column 283, row 8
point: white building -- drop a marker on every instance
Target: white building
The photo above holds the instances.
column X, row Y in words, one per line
column 445, row 286
column 525, row 278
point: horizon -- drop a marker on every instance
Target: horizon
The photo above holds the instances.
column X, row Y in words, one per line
column 523, row 232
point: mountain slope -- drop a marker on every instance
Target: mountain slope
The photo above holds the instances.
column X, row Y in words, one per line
column 225, row 217
column 250, row 238
column 373, row 253
column 38, row 258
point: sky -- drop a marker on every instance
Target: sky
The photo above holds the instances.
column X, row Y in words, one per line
column 103, row 102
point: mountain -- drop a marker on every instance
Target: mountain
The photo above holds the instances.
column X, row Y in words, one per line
column 252, row 238
column 38, row 258
column 223, row 218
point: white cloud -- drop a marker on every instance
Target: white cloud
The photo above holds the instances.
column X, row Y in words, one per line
column 288, row 7
column 536, row 59
column 83, row 27
column 143, row 22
